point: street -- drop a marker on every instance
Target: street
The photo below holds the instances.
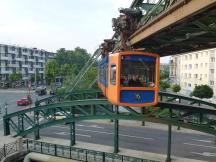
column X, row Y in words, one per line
column 187, row 145
column 10, row 96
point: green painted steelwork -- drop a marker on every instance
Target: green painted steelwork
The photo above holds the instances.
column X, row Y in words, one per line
column 186, row 115
column 77, row 153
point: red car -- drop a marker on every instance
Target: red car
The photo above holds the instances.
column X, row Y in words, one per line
column 24, row 101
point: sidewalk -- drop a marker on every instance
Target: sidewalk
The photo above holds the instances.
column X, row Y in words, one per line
column 16, row 90
column 123, row 151
column 5, row 139
column 103, row 148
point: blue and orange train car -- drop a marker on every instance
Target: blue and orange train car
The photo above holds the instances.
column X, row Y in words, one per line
column 130, row 78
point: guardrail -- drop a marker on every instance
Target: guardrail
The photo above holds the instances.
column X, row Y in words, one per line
column 8, row 149
column 77, row 153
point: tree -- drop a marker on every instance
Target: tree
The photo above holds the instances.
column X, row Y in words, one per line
column 15, row 76
column 51, row 71
column 203, row 91
column 164, row 74
column 164, row 85
column 176, row 88
column 38, row 78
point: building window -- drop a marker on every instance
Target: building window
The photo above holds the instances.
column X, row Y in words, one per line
column 206, row 64
column 212, row 71
column 195, row 85
column 211, row 82
column 189, row 75
column 196, row 66
column 195, row 75
column 12, row 48
column 201, row 65
column 205, row 75
column 190, row 57
column 186, row 57
column 212, row 52
column 185, row 67
column 189, row 85
column 212, row 59
column 185, row 84
column 113, row 74
column 190, row 66
column 196, row 56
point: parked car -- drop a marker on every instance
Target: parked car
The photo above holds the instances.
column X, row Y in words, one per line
column 24, row 101
column 41, row 90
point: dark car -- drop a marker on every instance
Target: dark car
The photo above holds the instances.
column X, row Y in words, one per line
column 41, row 90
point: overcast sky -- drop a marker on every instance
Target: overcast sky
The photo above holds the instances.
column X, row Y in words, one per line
column 54, row 24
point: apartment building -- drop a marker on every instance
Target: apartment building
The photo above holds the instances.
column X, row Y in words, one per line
column 27, row 61
column 192, row 69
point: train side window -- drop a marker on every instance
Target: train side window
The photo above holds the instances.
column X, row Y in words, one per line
column 113, row 74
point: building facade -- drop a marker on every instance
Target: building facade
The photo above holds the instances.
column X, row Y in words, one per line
column 192, row 69
column 27, row 61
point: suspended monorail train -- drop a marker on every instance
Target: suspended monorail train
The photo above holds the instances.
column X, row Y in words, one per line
column 130, row 78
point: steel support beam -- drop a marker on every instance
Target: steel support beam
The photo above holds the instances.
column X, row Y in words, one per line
column 36, row 120
column 173, row 15
column 116, row 132
column 6, row 127
column 72, row 134
column 143, row 112
column 169, row 142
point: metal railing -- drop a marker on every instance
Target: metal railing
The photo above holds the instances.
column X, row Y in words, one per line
column 77, row 153
column 8, row 149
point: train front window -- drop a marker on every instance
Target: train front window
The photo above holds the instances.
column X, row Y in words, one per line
column 138, row 71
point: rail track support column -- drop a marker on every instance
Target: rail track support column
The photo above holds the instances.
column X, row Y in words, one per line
column 72, row 134
column 168, row 159
column 36, row 122
column 143, row 112
column 6, row 127
column 116, row 132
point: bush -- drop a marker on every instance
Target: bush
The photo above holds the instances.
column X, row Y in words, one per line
column 164, row 85
column 176, row 88
column 203, row 91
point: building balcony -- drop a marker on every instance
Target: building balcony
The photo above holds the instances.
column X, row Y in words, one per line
column 13, row 65
column 25, row 77
column 42, row 61
column 41, row 71
column 31, row 71
column 37, row 66
column 6, row 71
column 4, row 58
column 19, row 59
column 25, row 65
column 36, row 54
column 31, row 60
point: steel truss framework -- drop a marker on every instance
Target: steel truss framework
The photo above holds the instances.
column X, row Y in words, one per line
column 184, row 111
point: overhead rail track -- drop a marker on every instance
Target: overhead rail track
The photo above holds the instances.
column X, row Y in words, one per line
column 170, row 27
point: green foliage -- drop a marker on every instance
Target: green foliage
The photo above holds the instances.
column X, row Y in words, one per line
column 164, row 85
column 68, row 64
column 164, row 74
column 51, row 71
column 203, row 91
column 38, row 78
column 15, row 76
column 176, row 88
